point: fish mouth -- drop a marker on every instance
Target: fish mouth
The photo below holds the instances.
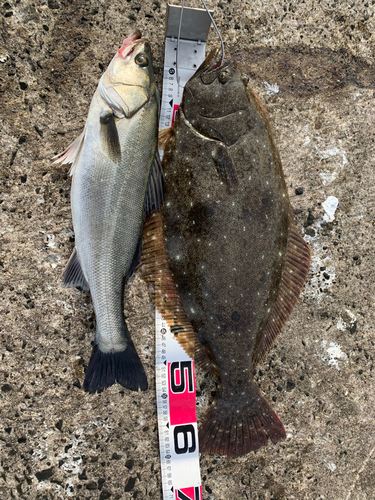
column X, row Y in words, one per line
column 209, row 63
column 130, row 43
column 207, row 71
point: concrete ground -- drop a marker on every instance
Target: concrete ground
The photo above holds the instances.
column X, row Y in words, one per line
column 57, row 441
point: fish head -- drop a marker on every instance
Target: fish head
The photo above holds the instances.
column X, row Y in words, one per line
column 128, row 83
column 215, row 100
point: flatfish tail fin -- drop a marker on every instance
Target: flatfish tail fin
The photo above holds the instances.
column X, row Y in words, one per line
column 239, row 423
column 295, row 271
column 154, row 269
column 123, row 367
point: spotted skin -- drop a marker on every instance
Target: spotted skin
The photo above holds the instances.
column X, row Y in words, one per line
column 227, row 223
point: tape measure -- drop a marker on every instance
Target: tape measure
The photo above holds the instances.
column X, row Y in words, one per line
column 192, row 49
column 175, row 378
column 177, row 421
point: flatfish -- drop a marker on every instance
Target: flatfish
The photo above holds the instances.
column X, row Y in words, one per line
column 225, row 259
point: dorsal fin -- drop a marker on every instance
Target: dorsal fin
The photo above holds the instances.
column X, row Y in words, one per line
column 71, row 153
column 155, row 271
column 154, row 193
column 295, row 271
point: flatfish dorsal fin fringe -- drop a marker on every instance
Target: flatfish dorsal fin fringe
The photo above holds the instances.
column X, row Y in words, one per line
column 154, row 269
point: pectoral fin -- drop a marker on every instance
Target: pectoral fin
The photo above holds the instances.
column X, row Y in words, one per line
column 109, row 135
column 224, row 165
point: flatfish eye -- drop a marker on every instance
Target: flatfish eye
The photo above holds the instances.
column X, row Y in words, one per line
column 224, row 76
column 141, row 60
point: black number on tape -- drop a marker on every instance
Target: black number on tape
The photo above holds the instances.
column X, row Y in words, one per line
column 182, row 496
column 182, row 367
column 185, row 431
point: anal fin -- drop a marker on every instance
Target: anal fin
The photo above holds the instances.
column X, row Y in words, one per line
column 136, row 260
column 73, row 274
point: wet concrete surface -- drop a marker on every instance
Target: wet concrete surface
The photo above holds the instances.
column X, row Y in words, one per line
column 57, row 441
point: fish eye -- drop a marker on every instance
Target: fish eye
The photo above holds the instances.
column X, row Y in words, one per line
column 141, row 60
column 224, row 76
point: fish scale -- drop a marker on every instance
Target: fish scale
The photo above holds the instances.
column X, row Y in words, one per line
column 116, row 180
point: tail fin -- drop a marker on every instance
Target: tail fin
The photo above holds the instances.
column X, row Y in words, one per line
column 239, row 423
column 123, row 367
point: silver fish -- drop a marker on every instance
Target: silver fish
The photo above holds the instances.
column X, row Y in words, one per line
column 116, row 180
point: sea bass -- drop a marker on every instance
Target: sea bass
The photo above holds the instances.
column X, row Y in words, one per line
column 228, row 240
column 116, row 179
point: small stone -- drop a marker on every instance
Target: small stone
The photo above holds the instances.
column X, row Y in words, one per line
column 105, row 494
column 22, row 139
column 66, row 56
column 53, row 4
column 23, row 178
column 310, row 231
column 290, row 386
column 91, row 485
column 83, row 475
column 129, row 464
column 23, row 85
column 299, row 191
column 44, row 474
column 59, row 424
column 116, row 456
column 326, row 276
column 6, row 388
column 355, row 257
column 130, row 484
